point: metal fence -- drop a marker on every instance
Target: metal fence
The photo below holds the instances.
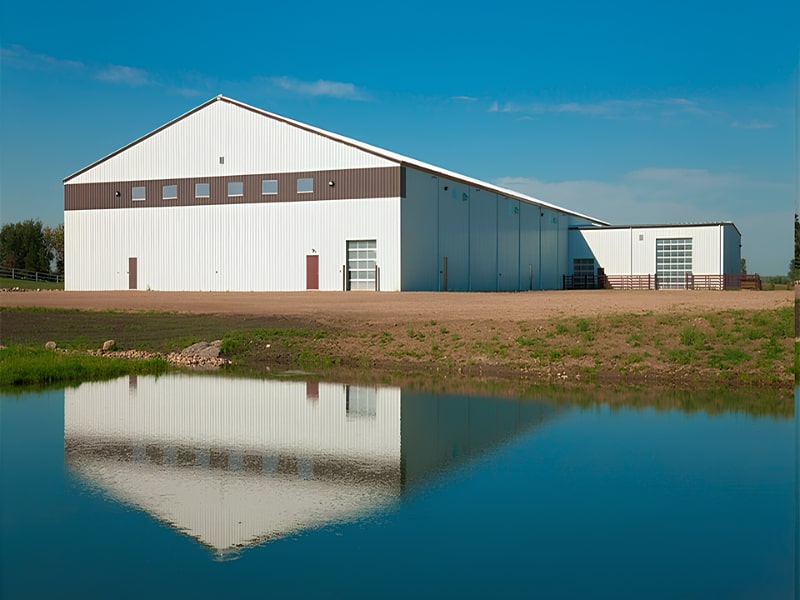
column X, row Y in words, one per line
column 26, row 275
column 650, row 282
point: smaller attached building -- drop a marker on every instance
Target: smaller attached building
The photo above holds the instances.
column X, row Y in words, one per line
column 680, row 256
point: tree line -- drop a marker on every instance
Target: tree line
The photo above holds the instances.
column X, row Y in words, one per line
column 32, row 246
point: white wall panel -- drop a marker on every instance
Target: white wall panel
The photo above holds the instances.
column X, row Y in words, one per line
column 419, row 232
column 246, row 247
column 483, row 240
column 508, row 223
column 530, row 251
column 249, row 141
column 454, row 233
column 632, row 251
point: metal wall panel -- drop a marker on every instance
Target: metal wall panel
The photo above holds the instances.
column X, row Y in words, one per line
column 508, row 239
column 732, row 249
column 246, row 247
column 530, row 264
column 483, row 240
column 419, row 231
column 224, row 139
column 454, row 234
column 632, row 251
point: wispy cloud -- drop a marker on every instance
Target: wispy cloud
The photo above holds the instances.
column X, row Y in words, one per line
column 754, row 124
column 321, row 87
column 22, row 58
column 123, row 75
column 609, row 109
column 464, row 98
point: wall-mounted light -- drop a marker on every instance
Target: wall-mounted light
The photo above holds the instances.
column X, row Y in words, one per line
column 313, row 251
column 446, row 188
column 116, row 194
column 331, row 183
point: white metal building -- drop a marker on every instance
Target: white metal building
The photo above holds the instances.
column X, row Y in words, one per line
column 658, row 256
column 230, row 197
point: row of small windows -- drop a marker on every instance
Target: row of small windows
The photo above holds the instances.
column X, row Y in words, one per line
column 269, row 187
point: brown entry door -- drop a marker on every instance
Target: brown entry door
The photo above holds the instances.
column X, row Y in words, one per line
column 312, row 271
column 132, row 273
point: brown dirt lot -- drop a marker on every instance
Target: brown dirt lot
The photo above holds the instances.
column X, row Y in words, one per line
column 358, row 308
column 501, row 334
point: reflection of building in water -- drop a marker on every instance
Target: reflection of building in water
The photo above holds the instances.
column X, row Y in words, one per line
column 233, row 462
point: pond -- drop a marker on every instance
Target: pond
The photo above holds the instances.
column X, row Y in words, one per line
column 201, row 486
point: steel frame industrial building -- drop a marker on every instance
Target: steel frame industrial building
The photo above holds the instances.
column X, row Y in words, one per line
column 231, row 197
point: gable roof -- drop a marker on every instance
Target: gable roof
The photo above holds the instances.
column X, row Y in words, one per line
column 400, row 159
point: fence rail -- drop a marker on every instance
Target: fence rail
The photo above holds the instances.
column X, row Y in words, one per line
column 26, row 275
column 650, row 281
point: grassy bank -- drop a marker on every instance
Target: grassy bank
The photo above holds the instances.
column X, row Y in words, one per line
column 684, row 350
column 25, row 284
column 40, row 367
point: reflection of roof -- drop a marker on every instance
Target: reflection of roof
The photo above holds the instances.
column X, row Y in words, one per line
column 233, row 462
column 226, row 510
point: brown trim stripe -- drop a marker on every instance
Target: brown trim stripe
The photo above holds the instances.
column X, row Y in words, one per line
column 377, row 182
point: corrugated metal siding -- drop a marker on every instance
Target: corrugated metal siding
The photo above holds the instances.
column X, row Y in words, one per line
column 419, row 232
column 347, row 184
column 453, row 201
column 732, row 248
column 483, row 240
column 245, row 247
column 508, row 223
column 491, row 242
column 632, row 251
column 250, row 142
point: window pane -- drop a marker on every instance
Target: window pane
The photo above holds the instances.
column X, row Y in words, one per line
column 235, row 188
column 305, row 185
column 138, row 192
column 202, row 190
column 269, row 186
column 169, row 192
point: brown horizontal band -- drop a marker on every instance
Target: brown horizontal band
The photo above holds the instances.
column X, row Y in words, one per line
column 344, row 184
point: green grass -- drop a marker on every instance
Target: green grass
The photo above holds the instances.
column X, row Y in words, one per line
column 34, row 366
column 25, row 284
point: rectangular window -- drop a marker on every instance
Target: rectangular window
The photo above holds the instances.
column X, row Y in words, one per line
column 169, row 192
column 269, row 186
column 202, row 190
column 305, row 185
column 673, row 262
column 138, row 193
column 235, row 188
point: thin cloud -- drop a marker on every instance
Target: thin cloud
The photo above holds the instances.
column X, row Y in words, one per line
column 321, row 87
column 609, row 109
column 755, row 124
column 464, row 98
column 20, row 57
column 123, row 75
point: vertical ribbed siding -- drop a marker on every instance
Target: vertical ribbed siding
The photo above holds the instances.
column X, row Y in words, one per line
column 250, row 142
column 247, row 247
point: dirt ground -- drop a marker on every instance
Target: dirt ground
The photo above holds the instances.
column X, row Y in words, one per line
column 381, row 308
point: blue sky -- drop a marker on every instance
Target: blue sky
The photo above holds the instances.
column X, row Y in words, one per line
column 633, row 112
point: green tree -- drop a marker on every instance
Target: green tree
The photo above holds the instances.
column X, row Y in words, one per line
column 23, row 246
column 743, row 265
column 794, row 269
column 54, row 239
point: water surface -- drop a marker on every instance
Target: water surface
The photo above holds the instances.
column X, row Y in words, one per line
column 202, row 486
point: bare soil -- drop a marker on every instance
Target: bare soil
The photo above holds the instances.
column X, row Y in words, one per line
column 469, row 333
